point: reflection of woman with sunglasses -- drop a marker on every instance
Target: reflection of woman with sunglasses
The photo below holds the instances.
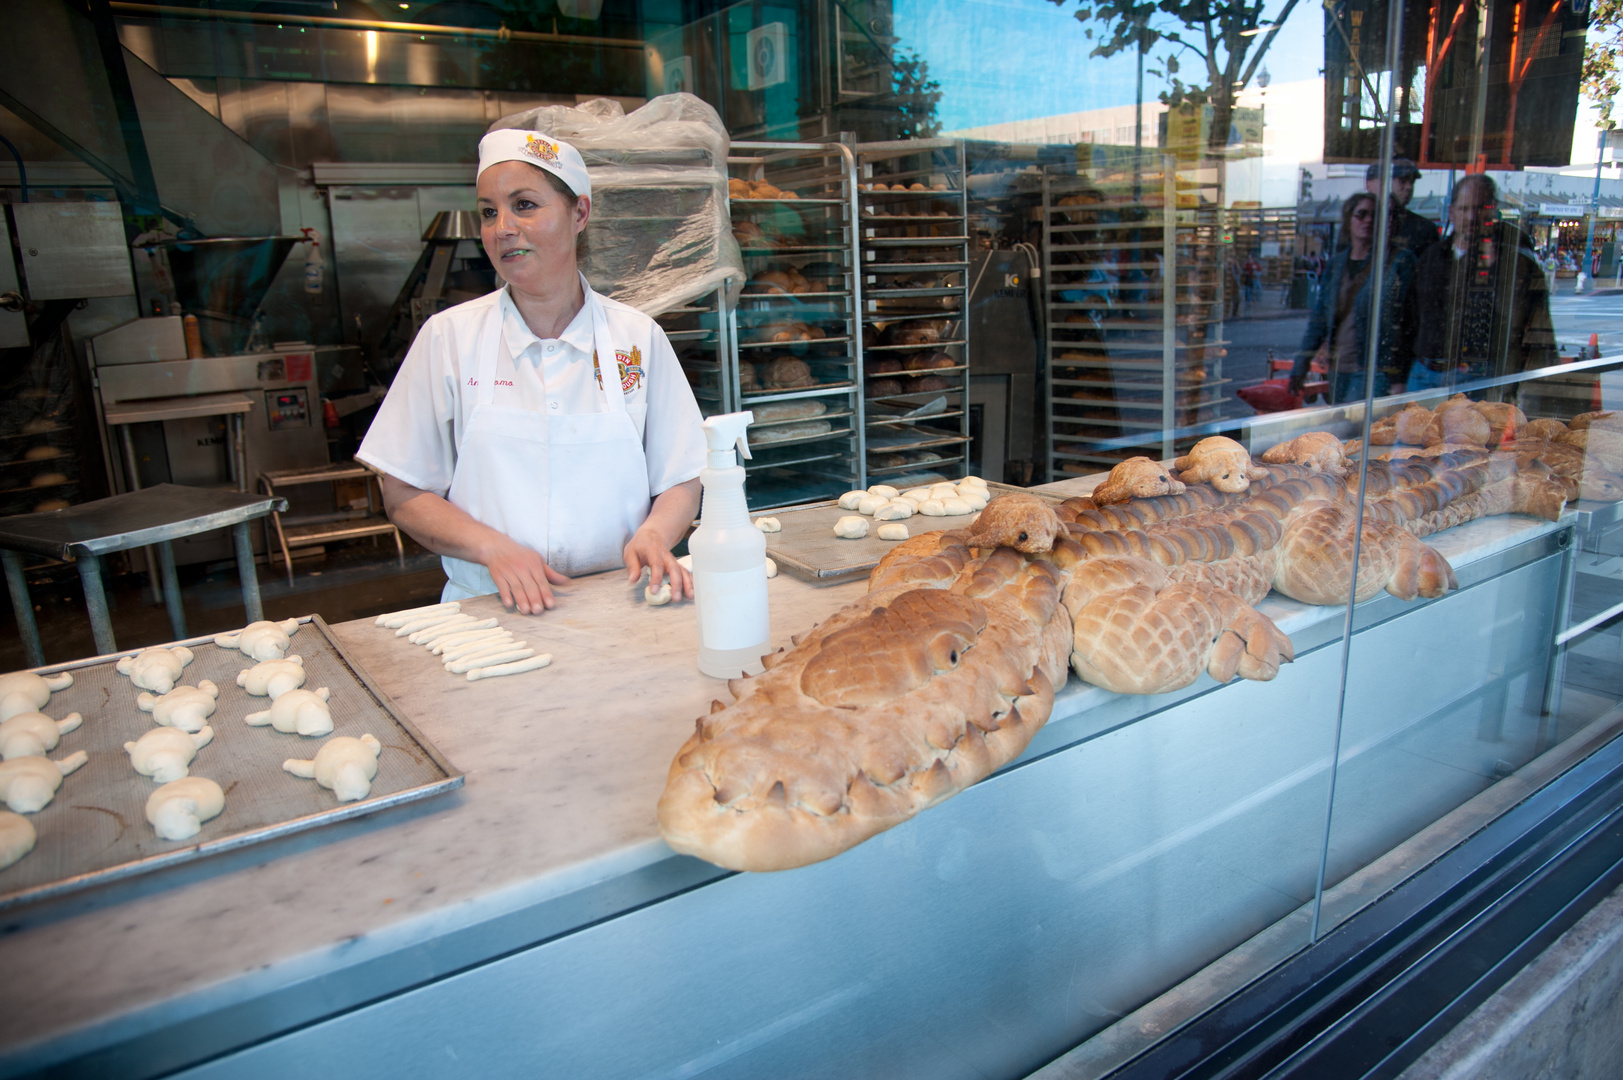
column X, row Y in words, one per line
column 1338, row 328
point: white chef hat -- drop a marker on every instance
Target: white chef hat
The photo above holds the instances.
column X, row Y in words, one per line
column 534, row 148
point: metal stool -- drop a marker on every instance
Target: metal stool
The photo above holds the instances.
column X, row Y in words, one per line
column 312, row 531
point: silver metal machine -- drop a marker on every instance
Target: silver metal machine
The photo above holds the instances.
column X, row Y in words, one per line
column 216, row 421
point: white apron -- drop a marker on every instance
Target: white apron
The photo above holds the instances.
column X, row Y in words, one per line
column 574, row 488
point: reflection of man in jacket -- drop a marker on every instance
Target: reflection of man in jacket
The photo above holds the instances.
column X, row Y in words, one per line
column 1407, row 229
column 1483, row 299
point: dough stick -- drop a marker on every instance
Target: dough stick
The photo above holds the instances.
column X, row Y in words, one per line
column 486, row 637
column 469, row 632
column 454, row 623
column 498, row 670
column 468, row 648
column 425, row 622
column 475, row 657
column 487, row 659
column 393, row 619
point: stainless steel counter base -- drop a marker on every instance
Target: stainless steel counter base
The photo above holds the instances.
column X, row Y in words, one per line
column 1139, row 839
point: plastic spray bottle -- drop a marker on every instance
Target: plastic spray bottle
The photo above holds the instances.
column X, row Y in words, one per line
column 729, row 559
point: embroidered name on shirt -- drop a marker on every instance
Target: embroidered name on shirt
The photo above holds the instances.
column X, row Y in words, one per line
column 504, row 382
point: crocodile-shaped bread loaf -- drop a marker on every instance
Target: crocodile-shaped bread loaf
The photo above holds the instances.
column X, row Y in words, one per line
column 894, row 703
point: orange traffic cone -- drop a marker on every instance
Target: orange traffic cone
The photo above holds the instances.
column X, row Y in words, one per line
column 1595, row 398
column 1594, row 346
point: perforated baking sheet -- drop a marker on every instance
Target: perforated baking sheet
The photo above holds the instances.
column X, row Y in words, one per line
column 95, row 830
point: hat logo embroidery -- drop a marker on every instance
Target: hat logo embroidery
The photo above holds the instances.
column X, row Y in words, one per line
column 541, row 149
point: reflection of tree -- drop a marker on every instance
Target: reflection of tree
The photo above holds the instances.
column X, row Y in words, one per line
column 1211, row 31
column 1601, row 77
column 917, row 96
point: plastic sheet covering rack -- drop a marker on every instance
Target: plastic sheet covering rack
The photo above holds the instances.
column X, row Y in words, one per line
column 660, row 235
column 95, row 829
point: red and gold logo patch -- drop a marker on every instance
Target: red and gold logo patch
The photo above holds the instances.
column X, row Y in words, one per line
column 541, row 149
column 630, row 367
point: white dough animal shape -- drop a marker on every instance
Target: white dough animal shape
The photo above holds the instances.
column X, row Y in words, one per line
column 30, row 734
column 27, row 784
column 344, row 765
column 156, row 669
column 273, row 677
column 184, row 707
column 301, row 711
column 260, row 640
column 165, row 753
column 179, row 808
column 23, row 691
column 17, row 837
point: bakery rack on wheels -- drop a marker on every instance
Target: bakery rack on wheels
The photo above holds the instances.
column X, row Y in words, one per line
column 700, row 332
column 915, row 261
column 1134, row 289
column 797, row 348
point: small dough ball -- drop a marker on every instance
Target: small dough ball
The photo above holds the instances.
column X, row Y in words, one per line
column 873, row 502
column 957, row 507
column 933, row 508
column 17, row 837
column 769, row 524
column 48, row 479
column 657, row 597
column 851, row 528
column 771, row 567
column 42, row 453
column 917, row 494
column 943, row 491
column 893, row 531
column 977, row 481
column 976, row 499
column 895, row 510
column 883, row 489
column 850, row 499
column 911, row 504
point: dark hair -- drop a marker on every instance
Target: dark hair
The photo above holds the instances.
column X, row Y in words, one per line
column 1347, row 215
column 1490, row 190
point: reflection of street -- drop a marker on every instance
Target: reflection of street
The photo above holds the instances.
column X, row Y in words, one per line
column 1250, row 337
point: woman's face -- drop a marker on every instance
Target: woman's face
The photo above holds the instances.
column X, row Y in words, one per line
column 1363, row 222
column 528, row 227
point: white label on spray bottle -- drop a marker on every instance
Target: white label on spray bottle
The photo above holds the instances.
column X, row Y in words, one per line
column 732, row 607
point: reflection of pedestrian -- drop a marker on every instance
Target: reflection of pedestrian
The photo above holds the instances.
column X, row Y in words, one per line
column 1407, row 229
column 1483, row 299
column 1338, row 328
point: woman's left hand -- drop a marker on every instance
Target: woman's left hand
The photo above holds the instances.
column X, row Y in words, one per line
column 648, row 549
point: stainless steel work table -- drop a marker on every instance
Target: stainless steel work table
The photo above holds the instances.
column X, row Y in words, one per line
column 534, row 922
column 150, row 517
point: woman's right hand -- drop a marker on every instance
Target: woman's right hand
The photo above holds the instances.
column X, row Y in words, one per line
column 522, row 576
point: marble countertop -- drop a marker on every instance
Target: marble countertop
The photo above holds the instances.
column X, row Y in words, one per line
column 564, row 767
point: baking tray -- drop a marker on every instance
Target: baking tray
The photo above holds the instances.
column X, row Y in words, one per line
column 807, row 547
column 95, row 830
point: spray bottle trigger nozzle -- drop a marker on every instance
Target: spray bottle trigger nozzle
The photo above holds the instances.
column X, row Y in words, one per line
column 744, row 447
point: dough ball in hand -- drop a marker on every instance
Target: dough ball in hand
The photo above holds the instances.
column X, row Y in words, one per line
column 657, row 597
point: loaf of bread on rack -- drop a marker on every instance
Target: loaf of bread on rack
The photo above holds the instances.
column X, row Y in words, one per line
column 786, row 373
column 773, row 411
column 800, row 429
column 937, row 677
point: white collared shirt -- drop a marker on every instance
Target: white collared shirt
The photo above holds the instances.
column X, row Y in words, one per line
column 421, row 422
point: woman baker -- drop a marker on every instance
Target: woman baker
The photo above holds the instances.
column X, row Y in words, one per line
column 502, row 446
